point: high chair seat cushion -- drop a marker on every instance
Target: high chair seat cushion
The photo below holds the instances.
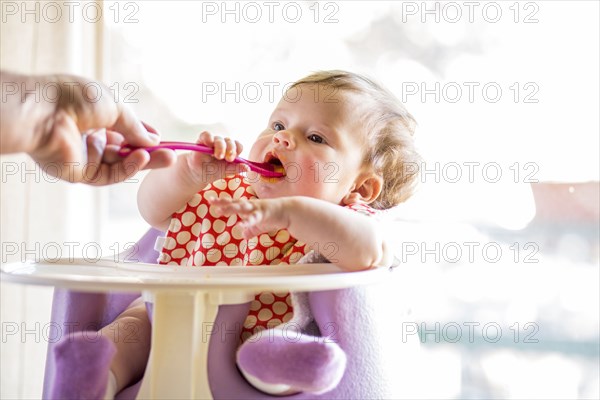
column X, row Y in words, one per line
column 351, row 317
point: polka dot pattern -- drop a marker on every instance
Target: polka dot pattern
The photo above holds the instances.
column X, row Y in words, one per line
column 198, row 237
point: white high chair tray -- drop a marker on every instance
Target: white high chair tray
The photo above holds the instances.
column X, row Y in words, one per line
column 186, row 297
column 107, row 275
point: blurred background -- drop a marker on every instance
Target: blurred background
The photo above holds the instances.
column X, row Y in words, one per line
column 503, row 246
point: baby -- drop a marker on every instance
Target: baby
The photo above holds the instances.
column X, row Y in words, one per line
column 343, row 143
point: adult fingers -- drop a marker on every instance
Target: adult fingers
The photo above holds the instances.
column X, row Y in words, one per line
column 133, row 130
column 161, row 158
column 109, row 173
column 95, row 146
column 149, row 127
column 63, row 154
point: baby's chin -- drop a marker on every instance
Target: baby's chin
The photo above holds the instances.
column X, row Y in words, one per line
column 266, row 188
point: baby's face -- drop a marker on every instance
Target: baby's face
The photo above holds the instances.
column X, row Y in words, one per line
column 315, row 135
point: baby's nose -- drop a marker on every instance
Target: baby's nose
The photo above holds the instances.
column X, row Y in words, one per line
column 284, row 139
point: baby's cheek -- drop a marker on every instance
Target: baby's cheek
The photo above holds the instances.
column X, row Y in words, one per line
column 259, row 148
column 254, row 154
column 308, row 186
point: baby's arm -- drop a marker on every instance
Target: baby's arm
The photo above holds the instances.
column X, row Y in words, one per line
column 358, row 242
column 166, row 190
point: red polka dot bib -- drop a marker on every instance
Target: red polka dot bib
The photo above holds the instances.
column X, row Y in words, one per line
column 198, row 237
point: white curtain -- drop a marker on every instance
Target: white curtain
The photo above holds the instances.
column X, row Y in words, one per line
column 38, row 216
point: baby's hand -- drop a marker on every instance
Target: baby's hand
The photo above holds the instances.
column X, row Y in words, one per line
column 225, row 151
column 258, row 216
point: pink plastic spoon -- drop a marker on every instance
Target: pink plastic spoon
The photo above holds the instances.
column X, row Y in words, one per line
column 264, row 169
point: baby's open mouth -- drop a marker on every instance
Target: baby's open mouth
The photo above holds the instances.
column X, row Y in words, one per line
column 271, row 158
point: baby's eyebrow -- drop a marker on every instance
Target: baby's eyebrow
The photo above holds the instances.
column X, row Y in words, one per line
column 278, row 111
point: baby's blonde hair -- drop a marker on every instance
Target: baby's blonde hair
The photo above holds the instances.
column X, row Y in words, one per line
column 389, row 129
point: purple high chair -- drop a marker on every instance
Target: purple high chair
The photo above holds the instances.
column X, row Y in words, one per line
column 356, row 313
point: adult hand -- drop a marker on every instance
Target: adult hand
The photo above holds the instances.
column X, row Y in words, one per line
column 73, row 128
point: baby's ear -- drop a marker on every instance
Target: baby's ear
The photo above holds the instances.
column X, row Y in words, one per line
column 366, row 189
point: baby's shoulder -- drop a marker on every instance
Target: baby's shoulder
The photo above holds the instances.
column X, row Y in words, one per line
column 364, row 209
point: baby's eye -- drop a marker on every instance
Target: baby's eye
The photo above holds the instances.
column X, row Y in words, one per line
column 316, row 138
column 278, row 126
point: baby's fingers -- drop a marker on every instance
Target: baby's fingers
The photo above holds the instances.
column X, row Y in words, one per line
column 216, row 142
column 251, row 219
column 230, row 149
column 228, row 207
column 223, row 148
column 219, row 148
column 233, row 149
column 206, row 138
column 226, row 148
